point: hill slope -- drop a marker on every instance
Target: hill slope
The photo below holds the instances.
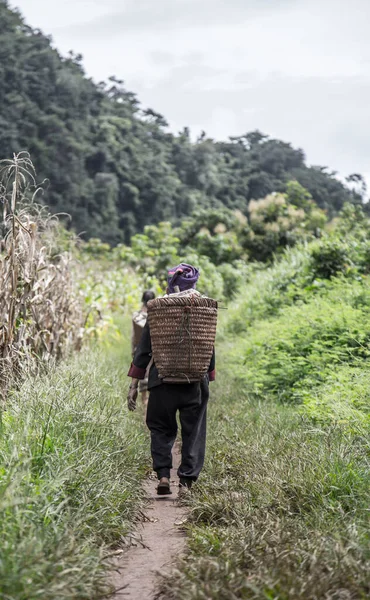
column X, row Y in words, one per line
column 114, row 166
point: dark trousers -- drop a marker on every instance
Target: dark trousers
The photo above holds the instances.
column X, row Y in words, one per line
column 191, row 401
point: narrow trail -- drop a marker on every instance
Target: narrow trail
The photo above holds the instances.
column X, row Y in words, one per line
column 159, row 540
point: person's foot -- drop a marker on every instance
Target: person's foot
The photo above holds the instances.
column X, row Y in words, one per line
column 184, row 488
column 163, row 488
column 185, row 482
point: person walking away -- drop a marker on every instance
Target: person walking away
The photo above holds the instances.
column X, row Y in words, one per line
column 166, row 399
column 139, row 319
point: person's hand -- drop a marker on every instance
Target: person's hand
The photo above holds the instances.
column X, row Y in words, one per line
column 132, row 396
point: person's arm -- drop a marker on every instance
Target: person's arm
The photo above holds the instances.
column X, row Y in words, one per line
column 212, row 367
column 142, row 357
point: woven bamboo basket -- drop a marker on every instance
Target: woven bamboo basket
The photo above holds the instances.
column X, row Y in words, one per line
column 183, row 332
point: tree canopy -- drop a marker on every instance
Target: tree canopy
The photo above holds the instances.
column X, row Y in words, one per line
column 114, row 166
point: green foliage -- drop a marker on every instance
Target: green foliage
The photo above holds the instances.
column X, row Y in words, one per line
column 215, row 233
column 343, row 398
column 95, row 248
column 115, row 168
column 280, row 510
column 269, row 290
column 329, row 257
column 282, row 220
column 300, row 348
column 306, row 319
column 153, row 251
column 72, row 462
column 282, row 504
column 222, row 247
column 297, row 195
column 346, row 249
column 109, row 287
column 352, row 220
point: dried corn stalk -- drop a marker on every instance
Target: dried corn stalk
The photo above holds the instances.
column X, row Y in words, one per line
column 40, row 308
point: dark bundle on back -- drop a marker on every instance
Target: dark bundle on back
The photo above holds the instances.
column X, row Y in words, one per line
column 183, row 332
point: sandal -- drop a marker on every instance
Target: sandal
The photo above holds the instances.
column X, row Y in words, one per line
column 163, row 488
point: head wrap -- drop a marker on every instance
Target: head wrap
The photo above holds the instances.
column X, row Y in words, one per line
column 184, row 276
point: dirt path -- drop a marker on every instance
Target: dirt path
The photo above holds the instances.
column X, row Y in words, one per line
column 159, row 540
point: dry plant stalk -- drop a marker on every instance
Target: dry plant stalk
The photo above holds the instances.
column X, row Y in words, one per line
column 41, row 315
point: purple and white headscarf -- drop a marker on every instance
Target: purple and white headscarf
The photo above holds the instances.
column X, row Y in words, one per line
column 184, row 276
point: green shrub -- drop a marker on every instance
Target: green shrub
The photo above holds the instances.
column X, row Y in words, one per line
column 270, row 289
column 329, row 257
column 302, row 346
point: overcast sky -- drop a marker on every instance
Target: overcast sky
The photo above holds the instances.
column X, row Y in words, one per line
column 298, row 70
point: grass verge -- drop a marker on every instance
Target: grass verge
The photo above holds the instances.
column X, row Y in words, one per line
column 281, row 510
column 71, row 463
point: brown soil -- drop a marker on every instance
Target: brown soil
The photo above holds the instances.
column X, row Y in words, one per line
column 158, row 541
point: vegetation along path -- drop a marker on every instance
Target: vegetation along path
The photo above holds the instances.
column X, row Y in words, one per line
column 280, row 511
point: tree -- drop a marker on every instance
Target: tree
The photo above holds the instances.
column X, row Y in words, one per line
column 114, row 166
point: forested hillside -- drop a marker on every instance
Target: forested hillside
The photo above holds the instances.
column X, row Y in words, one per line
column 114, row 166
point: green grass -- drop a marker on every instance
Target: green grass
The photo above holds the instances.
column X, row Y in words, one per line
column 281, row 510
column 71, row 463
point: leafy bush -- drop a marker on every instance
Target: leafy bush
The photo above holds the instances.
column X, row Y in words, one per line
column 268, row 290
column 300, row 348
column 281, row 220
column 329, row 257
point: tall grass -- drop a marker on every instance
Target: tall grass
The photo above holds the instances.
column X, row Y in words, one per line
column 71, row 466
column 281, row 511
column 297, row 351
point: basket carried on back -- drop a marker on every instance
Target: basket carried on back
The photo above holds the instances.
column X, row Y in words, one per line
column 183, row 332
